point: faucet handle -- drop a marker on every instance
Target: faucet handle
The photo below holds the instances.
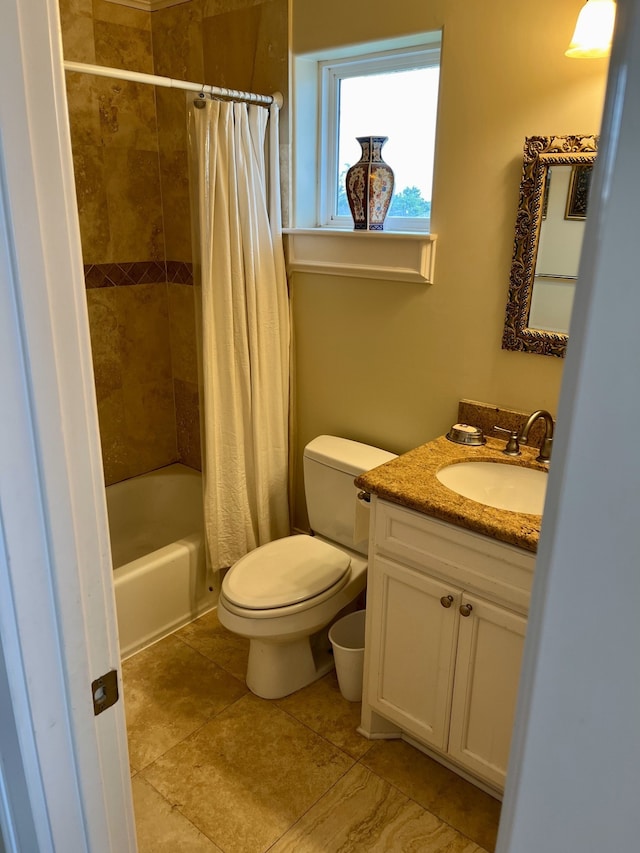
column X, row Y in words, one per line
column 513, row 444
column 545, row 450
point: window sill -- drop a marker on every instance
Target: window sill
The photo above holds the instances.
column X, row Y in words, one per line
column 389, row 255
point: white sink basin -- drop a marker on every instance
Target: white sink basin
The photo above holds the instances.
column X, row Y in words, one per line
column 497, row 484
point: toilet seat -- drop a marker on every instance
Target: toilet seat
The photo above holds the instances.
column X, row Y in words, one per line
column 286, row 572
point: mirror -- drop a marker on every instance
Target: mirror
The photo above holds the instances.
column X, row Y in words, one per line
column 554, row 191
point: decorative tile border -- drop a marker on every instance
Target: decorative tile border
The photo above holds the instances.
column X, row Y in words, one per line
column 137, row 272
column 179, row 272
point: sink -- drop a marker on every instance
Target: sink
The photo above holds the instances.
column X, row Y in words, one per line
column 497, row 484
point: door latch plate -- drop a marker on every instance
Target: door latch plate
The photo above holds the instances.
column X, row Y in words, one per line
column 105, row 691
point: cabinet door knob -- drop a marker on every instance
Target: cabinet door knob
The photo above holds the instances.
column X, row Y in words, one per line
column 446, row 600
column 465, row 609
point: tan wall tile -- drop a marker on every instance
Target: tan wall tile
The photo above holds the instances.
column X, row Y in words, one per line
column 84, row 118
column 144, row 320
column 247, row 48
column 118, row 46
column 134, row 202
column 185, row 372
column 132, row 366
column 183, row 332
column 149, row 409
column 113, row 438
column 106, row 340
column 127, row 114
column 119, row 204
column 188, row 423
column 77, row 30
column 176, row 207
column 217, row 7
column 77, row 41
column 271, row 59
column 132, row 183
column 230, row 44
column 75, row 8
column 171, row 107
column 150, row 424
column 115, row 13
column 91, row 194
column 120, row 211
column 177, row 41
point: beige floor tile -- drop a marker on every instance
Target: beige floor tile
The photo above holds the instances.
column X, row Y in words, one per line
column 211, row 639
column 162, row 829
column 247, row 775
column 322, row 707
column 364, row 813
column 451, row 798
column 170, row 691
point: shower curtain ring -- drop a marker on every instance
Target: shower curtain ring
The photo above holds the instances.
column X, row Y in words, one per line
column 200, row 100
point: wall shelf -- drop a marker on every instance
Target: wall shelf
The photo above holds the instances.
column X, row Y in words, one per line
column 401, row 256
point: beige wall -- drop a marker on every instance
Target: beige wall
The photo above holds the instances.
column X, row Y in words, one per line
column 386, row 362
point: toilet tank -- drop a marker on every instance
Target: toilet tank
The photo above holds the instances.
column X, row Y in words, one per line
column 330, row 467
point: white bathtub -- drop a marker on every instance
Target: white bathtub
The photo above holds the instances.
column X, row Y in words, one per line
column 157, row 544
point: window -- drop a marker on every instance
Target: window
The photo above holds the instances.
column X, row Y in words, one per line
column 392, row 93
column 398, row 81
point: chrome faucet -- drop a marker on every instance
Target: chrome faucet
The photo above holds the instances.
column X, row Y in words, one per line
column 547, row 441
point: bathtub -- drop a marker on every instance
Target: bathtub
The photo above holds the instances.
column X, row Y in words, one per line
column 157, row 546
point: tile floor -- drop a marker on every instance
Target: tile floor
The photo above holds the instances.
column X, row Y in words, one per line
column 217, row 769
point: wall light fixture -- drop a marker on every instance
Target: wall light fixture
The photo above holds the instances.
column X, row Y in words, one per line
column 594, row 30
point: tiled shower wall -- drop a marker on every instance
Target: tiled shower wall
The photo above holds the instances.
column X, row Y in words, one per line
column 133, row 201
column 130, row 157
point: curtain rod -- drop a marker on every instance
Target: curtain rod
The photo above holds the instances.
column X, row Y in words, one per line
column 170, row 83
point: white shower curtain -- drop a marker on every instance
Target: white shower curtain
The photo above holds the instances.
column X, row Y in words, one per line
column 245, row 328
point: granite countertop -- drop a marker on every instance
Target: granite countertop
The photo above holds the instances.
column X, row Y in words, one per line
column 410, row 481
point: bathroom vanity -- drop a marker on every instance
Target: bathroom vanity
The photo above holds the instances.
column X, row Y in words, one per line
column 449, row 582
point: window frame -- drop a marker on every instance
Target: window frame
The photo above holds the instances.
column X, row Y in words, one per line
column 330, row 74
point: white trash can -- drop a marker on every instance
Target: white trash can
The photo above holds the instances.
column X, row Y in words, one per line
column 347, row 640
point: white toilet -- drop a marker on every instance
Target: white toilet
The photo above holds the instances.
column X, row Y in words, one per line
column 284, row 595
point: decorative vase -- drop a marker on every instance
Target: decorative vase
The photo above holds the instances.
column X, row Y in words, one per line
column 369, row 185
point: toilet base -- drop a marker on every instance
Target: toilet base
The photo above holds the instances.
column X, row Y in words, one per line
column 277, row 669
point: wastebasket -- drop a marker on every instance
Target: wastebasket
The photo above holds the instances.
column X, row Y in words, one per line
column 347, row 640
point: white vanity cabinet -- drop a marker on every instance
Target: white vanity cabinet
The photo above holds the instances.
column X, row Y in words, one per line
column 446, row 619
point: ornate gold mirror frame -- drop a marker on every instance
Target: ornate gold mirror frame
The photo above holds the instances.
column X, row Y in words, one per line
column 540, row 152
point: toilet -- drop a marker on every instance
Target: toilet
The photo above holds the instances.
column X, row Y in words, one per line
column 284, row 595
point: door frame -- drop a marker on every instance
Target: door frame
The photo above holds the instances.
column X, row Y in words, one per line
column 573, row 775
column 58, row 627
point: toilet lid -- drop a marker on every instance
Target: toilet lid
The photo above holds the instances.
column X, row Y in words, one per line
column 285, row 572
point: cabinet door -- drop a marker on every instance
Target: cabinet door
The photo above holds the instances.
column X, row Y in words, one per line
column 412, row 649
column 490, row 643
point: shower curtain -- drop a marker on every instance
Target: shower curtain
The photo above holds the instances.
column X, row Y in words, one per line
column 245, row 327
